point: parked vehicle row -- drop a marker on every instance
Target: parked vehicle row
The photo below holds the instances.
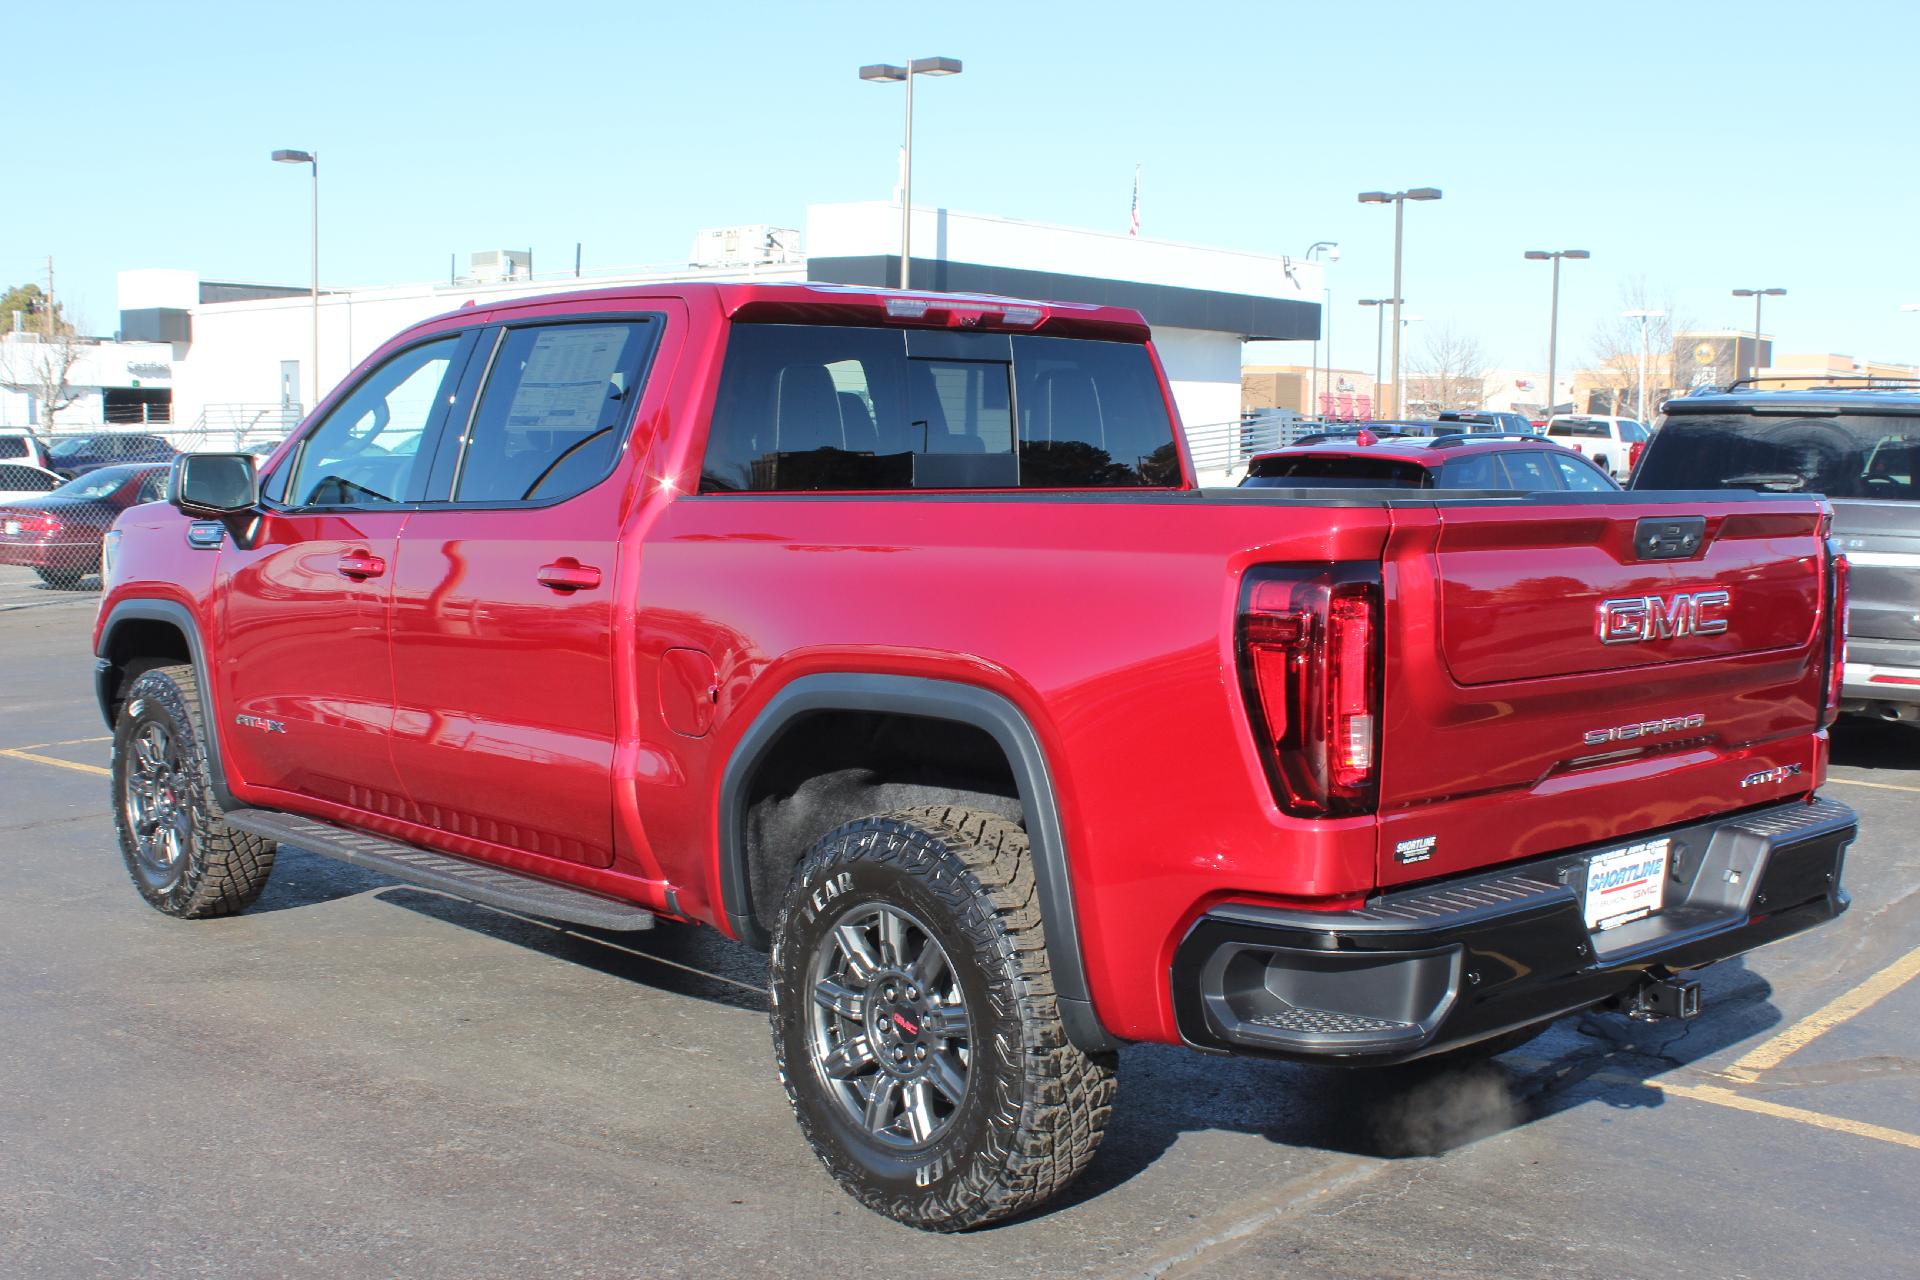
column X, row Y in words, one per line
column 1508, row 461
column 58, row 533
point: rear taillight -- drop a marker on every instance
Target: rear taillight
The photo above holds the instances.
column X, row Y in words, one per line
column 1310, row 656
column 1837, row 574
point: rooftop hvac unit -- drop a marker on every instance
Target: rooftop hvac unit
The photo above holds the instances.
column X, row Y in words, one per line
column 745, row 246
column 501, row 264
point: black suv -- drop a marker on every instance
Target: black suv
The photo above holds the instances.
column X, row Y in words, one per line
column 76, row 455
column 1858, row 445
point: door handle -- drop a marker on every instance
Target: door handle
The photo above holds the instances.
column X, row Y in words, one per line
column 568, row 575
column 360, row 565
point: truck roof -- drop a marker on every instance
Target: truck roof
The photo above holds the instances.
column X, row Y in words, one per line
column 821, row 303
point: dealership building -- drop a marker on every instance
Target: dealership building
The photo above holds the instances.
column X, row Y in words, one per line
column 244, row 364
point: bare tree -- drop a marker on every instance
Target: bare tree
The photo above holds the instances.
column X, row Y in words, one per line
column 1615, row 367
column 39, row 365
column 1449, row 373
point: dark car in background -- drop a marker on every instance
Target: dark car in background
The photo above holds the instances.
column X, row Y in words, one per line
column 1506, row 460
column 1858, row 445
column 76, row 455
column 59, row 534
column 1488, row 420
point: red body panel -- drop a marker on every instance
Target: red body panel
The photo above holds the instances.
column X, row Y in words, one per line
column 583, row 736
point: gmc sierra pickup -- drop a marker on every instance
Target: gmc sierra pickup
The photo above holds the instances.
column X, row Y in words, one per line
column 888, row 632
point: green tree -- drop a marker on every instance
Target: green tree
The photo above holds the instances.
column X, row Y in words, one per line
column 30, row 298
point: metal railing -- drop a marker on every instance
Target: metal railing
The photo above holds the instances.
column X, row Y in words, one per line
column 1220, row 448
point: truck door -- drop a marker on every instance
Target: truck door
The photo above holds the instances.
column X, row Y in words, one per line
column 304, row 672
column 504, row 595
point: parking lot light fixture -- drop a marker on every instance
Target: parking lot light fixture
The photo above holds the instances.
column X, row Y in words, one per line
column 311, row 158
column 1553, row 320
column 887, row 73
column 1757, row 295
column 1398, row 199
column 1379, row 339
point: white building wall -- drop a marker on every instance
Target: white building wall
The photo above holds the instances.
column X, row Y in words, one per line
column 873, row 227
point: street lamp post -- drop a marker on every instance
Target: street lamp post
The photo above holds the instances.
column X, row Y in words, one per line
column 886, row 73
column 1757, row 295
column 1640, row 401
column 1398, row 199
column 311, row 158
column 1314, row 250
column 1553, row 322
column 1379, row 339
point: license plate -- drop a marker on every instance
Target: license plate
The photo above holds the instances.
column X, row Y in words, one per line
column 13, row 528
column 1626, row 884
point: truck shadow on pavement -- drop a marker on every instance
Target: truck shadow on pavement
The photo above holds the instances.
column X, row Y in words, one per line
column 1876, row 744
column 1420, row 1109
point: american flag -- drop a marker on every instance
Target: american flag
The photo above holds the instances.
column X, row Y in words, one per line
column 1133, row 223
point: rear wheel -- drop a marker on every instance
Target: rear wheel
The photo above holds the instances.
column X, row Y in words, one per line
column 915, row 1023
column 61, row 579
column 183, row 857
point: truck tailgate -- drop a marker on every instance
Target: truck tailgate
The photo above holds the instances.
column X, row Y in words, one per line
column 1551, row 681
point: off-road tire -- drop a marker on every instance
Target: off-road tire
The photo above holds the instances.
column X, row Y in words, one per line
column 1034, row 1107
column 61, row 579
column 220, row 870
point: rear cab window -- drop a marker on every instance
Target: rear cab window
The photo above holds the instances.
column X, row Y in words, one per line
column 826, row 407
column 1841, row 455
column 1335, row 471
column 1579, row 430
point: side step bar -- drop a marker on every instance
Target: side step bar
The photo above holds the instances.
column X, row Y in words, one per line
column 490, row 886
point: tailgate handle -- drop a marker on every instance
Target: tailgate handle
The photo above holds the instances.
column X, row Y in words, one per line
column 1668, row 537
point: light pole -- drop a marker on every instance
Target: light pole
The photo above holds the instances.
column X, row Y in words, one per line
column 1379, row 339
column 886, row 73
column 1332, row 250
column 1553, row 323
column 1640, row 402
column 1757, row 295
column 1398, row 199
column 311, row 158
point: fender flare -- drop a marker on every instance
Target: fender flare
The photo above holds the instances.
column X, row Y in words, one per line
column 105, row 677
column 935, row 700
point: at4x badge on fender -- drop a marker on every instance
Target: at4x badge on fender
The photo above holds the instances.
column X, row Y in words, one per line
column 261, row 723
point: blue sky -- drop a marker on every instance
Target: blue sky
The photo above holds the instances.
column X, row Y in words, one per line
column 1699, row 147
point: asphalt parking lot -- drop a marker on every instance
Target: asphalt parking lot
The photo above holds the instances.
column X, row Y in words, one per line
column 358, row 1079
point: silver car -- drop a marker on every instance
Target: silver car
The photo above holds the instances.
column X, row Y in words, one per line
column 1860, row 446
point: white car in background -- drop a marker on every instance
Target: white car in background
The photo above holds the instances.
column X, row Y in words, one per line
column 23, row 480
column 1608, row 440
column 22, row 446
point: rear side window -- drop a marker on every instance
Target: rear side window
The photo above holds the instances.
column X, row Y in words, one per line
column 816, row 407
column 1579, row 430
column 554, row 411
column 1337, row 471
column 1527, row 469
column 1845, row 456
column 12, row 447
column 27, row 480
column 1579, row 475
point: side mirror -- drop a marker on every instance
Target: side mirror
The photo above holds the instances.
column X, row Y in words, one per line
column 212, row 485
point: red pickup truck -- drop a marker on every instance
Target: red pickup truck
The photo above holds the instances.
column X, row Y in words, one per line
column 888, row 632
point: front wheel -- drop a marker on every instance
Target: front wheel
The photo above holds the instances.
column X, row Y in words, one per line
column 915, row 1023
column 184, row 858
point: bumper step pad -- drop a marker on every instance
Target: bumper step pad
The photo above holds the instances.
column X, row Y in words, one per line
column 1434, row 966
column 457, row 877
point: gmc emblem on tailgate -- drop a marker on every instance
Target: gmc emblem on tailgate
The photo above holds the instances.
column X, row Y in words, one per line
column 1688, row 613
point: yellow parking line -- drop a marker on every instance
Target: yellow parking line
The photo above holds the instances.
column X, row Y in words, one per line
column 1761, row 1107
column 1746, row 1069
column 17, row 754
column 1877, row 786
